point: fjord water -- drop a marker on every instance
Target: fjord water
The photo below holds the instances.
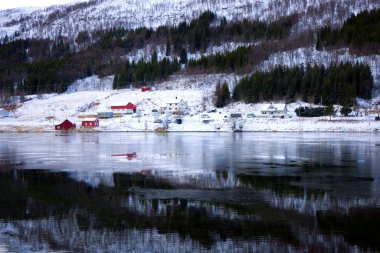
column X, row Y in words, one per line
column 182, row 192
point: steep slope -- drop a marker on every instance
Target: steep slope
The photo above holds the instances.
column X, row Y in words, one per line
column 68, row 20
column 104, row 53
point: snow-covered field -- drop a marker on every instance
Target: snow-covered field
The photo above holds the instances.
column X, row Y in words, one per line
column 41, row 113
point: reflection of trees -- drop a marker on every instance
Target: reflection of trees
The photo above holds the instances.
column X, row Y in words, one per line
column 360, row 225
column 68, row 215
column 45, row 195
column 276, row 184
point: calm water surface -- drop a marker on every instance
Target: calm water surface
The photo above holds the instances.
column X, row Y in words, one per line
column 189, row 192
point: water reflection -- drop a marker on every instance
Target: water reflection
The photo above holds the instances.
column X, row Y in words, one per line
column 189, row 192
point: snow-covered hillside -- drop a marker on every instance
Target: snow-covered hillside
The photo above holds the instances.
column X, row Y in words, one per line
column 303, row 56
column 68, row 20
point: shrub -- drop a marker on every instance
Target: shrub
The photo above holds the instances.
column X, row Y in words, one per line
column 310, row 112
column 345, row 110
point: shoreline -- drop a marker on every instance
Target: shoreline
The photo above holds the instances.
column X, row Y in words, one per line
column 196, row 125
column 33, row 130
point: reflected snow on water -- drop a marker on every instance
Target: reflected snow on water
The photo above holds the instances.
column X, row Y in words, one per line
column 218, row 192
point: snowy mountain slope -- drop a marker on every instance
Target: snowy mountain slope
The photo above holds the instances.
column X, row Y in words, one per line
column 303, row 56
column 10, row 20
column 68, row 20
column 299, row 56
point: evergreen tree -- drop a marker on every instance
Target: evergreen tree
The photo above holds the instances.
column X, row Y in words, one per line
column 345, row 110
column 329, row 111
column 154, row 57
column 222, row 95
column 168, row 49
column 183, row 56
column 360, row 32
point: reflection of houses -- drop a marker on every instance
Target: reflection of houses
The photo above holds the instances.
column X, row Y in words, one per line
column 146, row 172
column 129, row 156
column 90, row 138
column 176, row 106
column 4, row 113
column 65, row 125
column 124, row 109
column 90, row 123
column 275, row 111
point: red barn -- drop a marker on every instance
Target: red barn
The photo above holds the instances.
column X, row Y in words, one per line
column 65, row 125
column 146, row 88
column 129, row 108
column 90, row 123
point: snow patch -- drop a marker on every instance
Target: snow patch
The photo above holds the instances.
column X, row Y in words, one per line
column 92, row 83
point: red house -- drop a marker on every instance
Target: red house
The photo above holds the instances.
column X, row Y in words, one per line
column 146, row 88
column 129, row 108
column 129, row 156
column 90, row 123
column 65, row 125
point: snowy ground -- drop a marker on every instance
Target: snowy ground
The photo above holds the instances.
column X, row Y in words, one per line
column 41, row 113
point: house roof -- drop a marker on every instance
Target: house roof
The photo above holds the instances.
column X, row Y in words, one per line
column 129, row 106
column 175, row 101
column 89, row 120
column 274, row 107
column 66, row 122
column 103, row 112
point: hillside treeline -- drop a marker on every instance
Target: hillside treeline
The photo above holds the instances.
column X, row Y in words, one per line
column 336, row 84
column 194, row 36
column 140, row 73
column 244, row 59
column 230, row 61
column 41, row 65
column 360, row 32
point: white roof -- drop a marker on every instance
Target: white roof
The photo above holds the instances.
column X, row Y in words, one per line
column 88, row 119
column 174, row 101
column 274, row 107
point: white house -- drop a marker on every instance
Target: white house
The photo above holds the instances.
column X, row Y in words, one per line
column 174, row 106
column 3, row 113
column 275, row 111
